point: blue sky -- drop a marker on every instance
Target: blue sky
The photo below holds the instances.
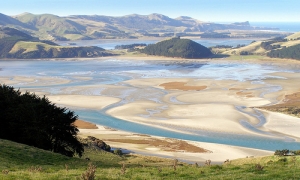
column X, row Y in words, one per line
column 205, row 10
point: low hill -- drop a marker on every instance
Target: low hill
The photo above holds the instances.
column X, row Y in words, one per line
column 10, row 21
column 176, row 47
column 264, row 47
column 292, row 52
column 49, row 25
column 10, row 32
column 17, row 44
column 295, row 36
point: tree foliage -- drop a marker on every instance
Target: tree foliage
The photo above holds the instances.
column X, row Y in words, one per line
column 292, row 52
column 130, row 46
column 177, row 47
column 35, row 121
column 283, row 152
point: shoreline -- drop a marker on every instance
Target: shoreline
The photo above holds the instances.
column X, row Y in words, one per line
column 217, row 153
column 260, row 60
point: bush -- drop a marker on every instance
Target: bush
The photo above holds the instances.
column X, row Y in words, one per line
column 297, row 152
column 118, row 152
column 281, row 152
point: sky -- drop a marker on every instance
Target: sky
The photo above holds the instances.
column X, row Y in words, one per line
column 204, row 10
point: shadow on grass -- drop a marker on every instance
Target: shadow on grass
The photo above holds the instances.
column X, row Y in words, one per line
column 219, row 56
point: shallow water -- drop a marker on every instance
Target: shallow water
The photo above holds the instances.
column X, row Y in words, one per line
column 111, row 43
column 114, row 71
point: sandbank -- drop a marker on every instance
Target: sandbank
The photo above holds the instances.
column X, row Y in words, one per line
column 145, row 145
column 213, row 108
column 33, row 81
column 83, row 101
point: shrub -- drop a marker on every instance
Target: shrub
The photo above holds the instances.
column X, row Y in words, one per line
column 297, row 152
column 89, row 174
column 281, row 152
column 118, row 152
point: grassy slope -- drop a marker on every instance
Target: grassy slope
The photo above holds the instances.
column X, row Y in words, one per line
column 256, row 49
column 25, row 162
column 30, row 46
column 48, row 23
column 294, row 36
column 253, row 48
column 288, row 43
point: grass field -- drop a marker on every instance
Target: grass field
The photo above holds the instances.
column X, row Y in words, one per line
column 253, row 48
column 29, row 46
column 20, row 161
column 294, row 36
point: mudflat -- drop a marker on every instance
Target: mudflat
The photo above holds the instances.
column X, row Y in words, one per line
column 183, row 104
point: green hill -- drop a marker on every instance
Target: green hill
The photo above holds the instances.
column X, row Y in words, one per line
column 265, row 47
column 292, row 52
column 17, row 44
column 12, row 22
column 51, row 26
column 295, row 36
column 176, row 47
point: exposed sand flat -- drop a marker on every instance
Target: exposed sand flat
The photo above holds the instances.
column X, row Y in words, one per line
column 208, row 117
column 282, row 123
column 290, row 84
column 82, row 101
column 221, row 96
column 213, row 108
column 33, row 81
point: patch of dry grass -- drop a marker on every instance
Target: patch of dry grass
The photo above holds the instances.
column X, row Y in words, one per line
column 29, row 46
column 181, row 86
column 166, row 145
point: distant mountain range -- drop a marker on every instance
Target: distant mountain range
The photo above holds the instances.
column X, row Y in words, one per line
column 84, row 27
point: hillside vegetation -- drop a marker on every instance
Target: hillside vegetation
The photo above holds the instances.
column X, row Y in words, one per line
column 177, row 47
column 295, row 36
column 51, row 26
column 287, row 47
column 292, row 52
column 19, row 161
column 17, row 44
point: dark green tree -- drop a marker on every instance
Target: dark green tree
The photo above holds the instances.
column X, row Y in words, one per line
column 292, row 52
column 32, row 120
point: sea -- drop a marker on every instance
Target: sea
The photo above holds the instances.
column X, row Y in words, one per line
column 291, row 27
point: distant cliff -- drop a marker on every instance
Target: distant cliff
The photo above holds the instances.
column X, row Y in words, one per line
column 177, row 47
